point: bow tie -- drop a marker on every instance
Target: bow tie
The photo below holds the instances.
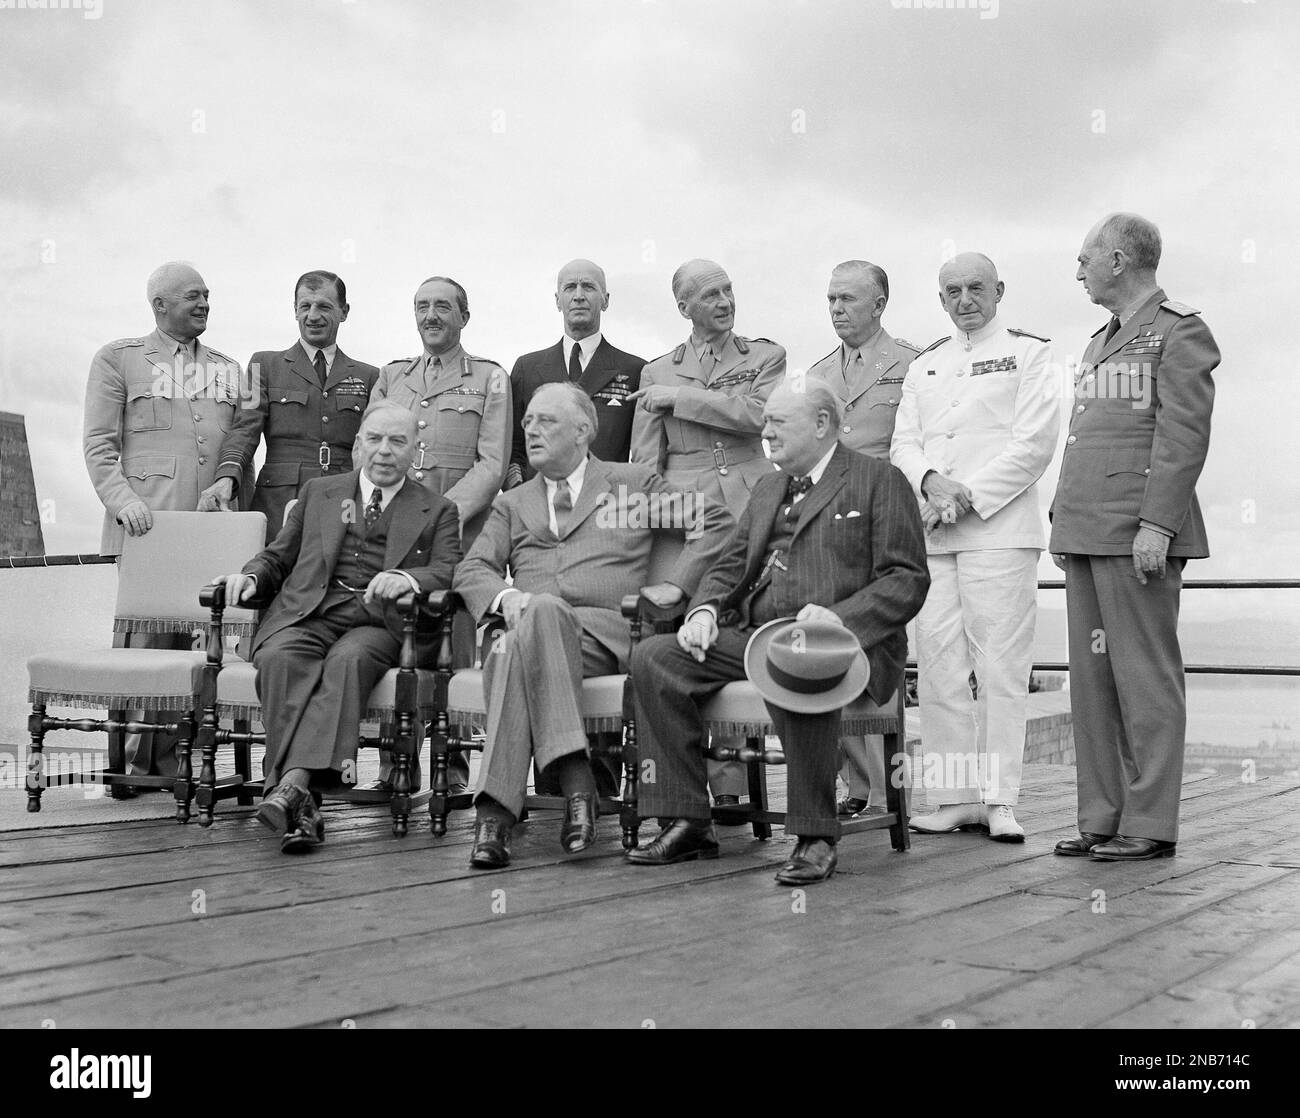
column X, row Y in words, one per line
column 797, row 486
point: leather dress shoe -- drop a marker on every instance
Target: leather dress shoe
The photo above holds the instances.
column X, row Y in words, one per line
column 579, row 828
column 1121, row 849
column 814, row 859
column 279, row 811
column 726, row 800
column 850, row 806
column 491, row 844
column 309, row 832
column 1082, row 846
column 683, row 840
column 951, row 817
column 730, row 813
column 1002, row 824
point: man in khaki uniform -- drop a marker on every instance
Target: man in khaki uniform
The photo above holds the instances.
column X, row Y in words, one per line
column 866, row 372
column 156, row 415
column 700, row 415
column 463, row 412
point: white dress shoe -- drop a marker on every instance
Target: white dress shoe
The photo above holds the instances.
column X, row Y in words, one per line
column 952, row 817
column 1002, row 824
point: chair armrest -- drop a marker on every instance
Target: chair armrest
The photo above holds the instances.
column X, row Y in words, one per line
column 213, row 596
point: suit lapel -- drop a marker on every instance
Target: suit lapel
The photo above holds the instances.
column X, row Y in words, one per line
column 595, row 484
column 821, row 494
column 555, row 358
column 331, row 517
column 730, row 359
column 453, row 367
column 410, row 514
column 690, row 366
column 533, row 509
column 296, row 362
column 339, row 371
column 600, row 370
column 878, row 363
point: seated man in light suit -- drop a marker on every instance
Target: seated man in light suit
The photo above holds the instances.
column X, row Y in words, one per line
column 576, row 543
column 351, row 545
column 834, row 537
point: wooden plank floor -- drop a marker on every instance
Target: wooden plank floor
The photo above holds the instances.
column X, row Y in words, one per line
column 147, row 923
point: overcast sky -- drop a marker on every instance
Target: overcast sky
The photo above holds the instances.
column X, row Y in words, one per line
column 390, row 140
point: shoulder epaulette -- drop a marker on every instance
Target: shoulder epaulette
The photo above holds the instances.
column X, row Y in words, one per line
column 827, row 357
column 907, row 345
column 402, row 361
column 1181, row 309
column 679, row 354
column 123, row 343
column 741, row 344
column 933, row 345
column 486, row 361
column 223, row 356
column 1027, row 334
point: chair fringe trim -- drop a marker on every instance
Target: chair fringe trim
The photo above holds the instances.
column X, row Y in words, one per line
column 240, row 712
column 82, row 699
column 426, row 713
column 866, row 724
column 180, row 625
column 466, row 721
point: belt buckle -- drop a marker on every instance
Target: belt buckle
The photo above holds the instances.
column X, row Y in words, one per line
column 419, row 462
column 324, row 456
column 720, row 460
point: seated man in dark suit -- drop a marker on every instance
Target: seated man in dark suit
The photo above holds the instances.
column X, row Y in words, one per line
column 834, row 537
column 351, row 545
column 583, row 356
column 577, row 540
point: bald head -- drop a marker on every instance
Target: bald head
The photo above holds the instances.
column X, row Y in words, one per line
column 800, row 423
column 691, row 275
column 581, row 296
column 969, row 290
column 179, row 300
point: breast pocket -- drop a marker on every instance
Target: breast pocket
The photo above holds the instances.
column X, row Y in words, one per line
column 458, row 417
column 147, row 412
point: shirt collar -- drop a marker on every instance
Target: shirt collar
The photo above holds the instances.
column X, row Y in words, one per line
column 450, row 360
column 701, row 348
column 815, row 474
column 388, row 491
column 575, row 481
column 587, row 345
column 847, row 352
column 311, row 351
column 172, row 346
column 983, row 334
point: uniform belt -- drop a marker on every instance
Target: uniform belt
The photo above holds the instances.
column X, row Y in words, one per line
column 284, row 449
column 719, row 458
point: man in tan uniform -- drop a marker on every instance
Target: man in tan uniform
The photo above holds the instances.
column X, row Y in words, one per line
column 463, row 411
column 156, row 415
column 866, row 372
column 700, row 416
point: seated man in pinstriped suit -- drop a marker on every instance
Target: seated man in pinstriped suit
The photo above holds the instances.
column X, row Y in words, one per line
column 577, row 539
column 833, row 537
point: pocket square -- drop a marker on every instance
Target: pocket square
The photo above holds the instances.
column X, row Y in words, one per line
column 851, row 514
column 613, row 403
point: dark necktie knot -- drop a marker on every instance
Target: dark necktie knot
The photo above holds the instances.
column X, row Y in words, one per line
column 373, row 506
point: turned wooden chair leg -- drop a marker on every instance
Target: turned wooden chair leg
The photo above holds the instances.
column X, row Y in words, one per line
column 628, row 818
column 757, row 774
column 183, row 789
column 36, row 757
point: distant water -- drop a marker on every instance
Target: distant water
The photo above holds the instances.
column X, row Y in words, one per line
column 65, row 608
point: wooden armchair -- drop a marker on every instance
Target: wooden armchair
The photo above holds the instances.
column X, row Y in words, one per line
column 403, row 701
column 157, row 577
column 606, row 708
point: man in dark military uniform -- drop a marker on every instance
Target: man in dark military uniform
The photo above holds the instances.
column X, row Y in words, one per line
column 700, row 416
column 865, row 371
column 1124, row 522
column 462, row 412
column 307, row 403
column 157, row 412
column 584, row 356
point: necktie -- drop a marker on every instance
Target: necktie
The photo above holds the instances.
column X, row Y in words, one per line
column 1113, row 328
column 563, row 505
column 321, row 371
column 575, row 363
column 372, row 507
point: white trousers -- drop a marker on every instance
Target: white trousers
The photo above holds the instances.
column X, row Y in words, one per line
column 979, row 616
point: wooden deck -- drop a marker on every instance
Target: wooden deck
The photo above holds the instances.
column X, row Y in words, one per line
column 147, row 923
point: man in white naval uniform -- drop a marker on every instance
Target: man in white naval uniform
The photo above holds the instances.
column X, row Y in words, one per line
column 976, row 429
